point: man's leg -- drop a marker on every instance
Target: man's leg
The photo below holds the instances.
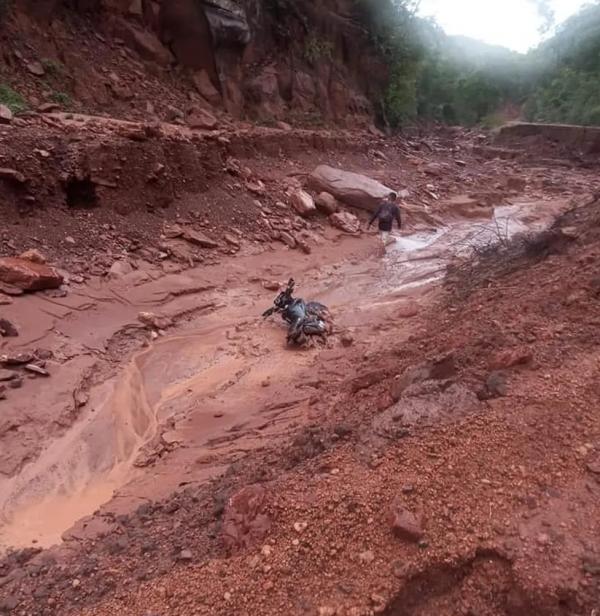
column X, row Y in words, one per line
column 383, row 238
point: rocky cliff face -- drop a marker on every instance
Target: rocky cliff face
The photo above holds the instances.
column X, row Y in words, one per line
column 294, row 60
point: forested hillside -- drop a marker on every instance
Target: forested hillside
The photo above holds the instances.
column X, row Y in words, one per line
column 457, row 80
column 568, row 72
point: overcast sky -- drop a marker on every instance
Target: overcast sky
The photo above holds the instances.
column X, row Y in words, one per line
column 511, row 23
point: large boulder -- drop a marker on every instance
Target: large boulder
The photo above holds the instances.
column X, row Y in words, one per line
column 27, row 275
column 350, row 188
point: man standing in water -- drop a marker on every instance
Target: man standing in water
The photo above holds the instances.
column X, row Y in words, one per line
column 386, row 213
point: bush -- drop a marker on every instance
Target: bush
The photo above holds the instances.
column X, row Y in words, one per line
column 61, row 98
column 12, row 99
column 52, row 67
column 317, row 50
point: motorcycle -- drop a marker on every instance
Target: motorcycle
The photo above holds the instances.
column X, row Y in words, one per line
column 305, row 319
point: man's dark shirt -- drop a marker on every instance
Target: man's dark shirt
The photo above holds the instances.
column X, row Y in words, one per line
column 386, row 213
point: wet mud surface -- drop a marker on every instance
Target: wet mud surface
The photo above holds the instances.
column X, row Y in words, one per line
column 179, row 407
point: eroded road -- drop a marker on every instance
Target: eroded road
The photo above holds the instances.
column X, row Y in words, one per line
column 129, row 414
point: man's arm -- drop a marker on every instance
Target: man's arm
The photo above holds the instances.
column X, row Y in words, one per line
column 398, row 217
column 375, row 215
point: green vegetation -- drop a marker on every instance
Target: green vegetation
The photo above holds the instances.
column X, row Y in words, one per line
column 61, row 98
column 457, row 80
column 12, row 99
column 316, row 50
column 53, row 67
column 567, row 86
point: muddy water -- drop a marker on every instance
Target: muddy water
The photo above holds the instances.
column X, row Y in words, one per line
column 199, row 386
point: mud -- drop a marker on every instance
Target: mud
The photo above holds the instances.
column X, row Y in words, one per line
column 199, row 397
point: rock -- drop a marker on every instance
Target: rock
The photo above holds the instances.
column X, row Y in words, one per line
column 575, row 297
column 594, row 467
column 5, row 301
column 346, row 222
column 205, row 88
column 271, row 285
column 326, row 203
column 366, row 557
column 232, row 240
column 173, row 231
column 9, row 289
column 408, row 310
column 185, row 556
column 496, row 386
column 245, row 521
column 303, row 203
column 33, row 255
column 16, row 359
column 263, row 91
column 173, row 113
column 300, row 527
column 510, row 358
column 7, row 329
column 12, row 175
column 405, row 524
column 283, row 126
column 7, row 375
column 2, row 392
column 145, row 43
column 440, row 368
column 6, row 115
column 199, row 239
column 48, row 107
column 70, row 240
column 347, row 339
column 287, row 239
column 121, row 91
column 266, row 550
column 81, row 398
column 434, row 169
column 44, row 354
column 36, row 68
column 257, row 187
column 119, row 269
column 35, row 369
column 303, row 245
column 149, row 319
column 201, row 119
column 351, row 188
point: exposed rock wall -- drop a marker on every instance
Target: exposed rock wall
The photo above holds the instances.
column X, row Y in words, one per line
column 265, row 59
